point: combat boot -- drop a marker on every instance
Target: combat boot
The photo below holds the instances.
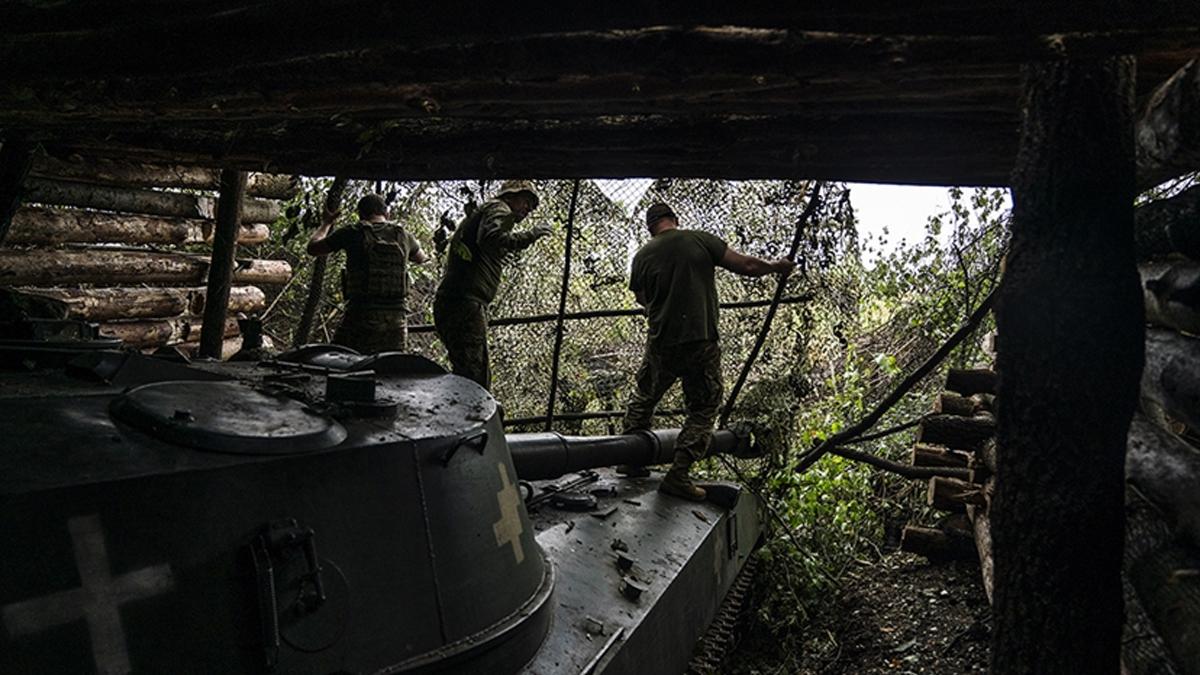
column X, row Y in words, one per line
column 677, row 484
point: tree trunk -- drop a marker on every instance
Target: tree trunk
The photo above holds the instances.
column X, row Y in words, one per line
column 152, row 202
column 968, row 381
column 1166, row 470
column 937, row 544
column 961, row 433
column 1171, row 379
column 316, row 283
column 954, row 494
column 45, row 226
column 983, row 547
column 111, row 267
column 1168, row 133
column 1172, row 294
column 124, row 173
column 16, row 156
column 220, row 271
column 1070, row 319
column 1143, row 651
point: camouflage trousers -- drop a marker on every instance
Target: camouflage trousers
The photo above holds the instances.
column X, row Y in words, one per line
column 370, row 330
column 697, row 365
column 462, row 326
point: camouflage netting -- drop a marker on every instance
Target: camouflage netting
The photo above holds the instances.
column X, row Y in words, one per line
column 600, row 352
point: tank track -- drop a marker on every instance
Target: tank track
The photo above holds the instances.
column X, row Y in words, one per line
column 714, row 647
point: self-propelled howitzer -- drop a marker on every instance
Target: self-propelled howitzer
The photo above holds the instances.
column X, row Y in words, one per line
column 327, row 512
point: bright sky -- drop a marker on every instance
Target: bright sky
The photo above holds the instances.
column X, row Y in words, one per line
column 901, row 210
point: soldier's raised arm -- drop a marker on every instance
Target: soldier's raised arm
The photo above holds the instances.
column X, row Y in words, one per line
column 751, row 266
column 496, row 229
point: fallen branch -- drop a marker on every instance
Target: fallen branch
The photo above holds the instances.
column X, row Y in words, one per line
column 898, row 468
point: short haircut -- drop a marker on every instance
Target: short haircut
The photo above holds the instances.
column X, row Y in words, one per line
column 371, row 205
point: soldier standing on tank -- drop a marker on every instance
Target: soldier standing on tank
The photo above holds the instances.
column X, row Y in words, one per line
column 673, row 277
column 375, row 279
column 480, row 245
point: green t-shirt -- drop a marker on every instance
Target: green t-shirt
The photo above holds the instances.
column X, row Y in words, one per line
column 478, row 249
column 674, row 273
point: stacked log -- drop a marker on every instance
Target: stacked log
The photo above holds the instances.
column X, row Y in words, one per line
column 113, row 304
column 60, row 261
column 1162, row 463
column 125, row 173
column 959, row 433
column 45, row 226
column 114, row 267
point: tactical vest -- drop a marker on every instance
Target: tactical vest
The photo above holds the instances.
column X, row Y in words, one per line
column 383, row 276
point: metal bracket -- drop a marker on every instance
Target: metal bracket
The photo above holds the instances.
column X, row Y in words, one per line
column 272, row 543
column 476, row 440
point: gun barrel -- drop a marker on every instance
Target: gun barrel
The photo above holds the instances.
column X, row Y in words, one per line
column 547, row 455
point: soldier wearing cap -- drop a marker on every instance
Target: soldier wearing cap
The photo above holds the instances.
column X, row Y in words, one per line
column 673, row 277
column 478, row 249
column 375, row 279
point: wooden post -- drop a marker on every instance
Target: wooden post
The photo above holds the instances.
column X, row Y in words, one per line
column 1070, row 311
column 220, row 272
column 16, row 156
column 562, row 306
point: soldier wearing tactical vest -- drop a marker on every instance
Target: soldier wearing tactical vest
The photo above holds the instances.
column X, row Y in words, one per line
column 480, row 245
column 673, row 277
column 375, row 279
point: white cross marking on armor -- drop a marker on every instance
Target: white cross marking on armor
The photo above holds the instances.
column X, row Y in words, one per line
column 98, row 601
column 508, row 529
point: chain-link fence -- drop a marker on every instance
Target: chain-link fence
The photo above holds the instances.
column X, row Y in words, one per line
column 578, row 289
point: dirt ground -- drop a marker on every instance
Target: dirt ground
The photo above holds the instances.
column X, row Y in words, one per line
column 902, row 615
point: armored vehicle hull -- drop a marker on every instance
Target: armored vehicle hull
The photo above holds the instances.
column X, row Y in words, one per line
column 331, row 513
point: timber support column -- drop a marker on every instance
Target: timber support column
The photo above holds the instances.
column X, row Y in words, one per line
column 220, row 271
column 1070, row 357
column 16, row 156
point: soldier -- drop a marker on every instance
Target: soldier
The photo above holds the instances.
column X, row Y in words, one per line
column 375, row 279
column 478, row 249
column 673, row 278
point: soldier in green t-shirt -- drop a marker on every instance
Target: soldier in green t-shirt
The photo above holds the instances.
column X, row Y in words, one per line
column 673, row 278
column 375, row 281
column 480, row 245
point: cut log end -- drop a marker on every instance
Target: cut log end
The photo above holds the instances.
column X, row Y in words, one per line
column 953, row 494
column 937, row 544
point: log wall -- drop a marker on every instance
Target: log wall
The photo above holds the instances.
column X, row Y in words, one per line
column 121, row 244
